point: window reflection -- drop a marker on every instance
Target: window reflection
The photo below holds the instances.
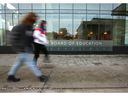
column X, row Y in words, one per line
column 89, row 21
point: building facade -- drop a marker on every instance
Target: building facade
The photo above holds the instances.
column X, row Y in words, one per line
column 88, row 24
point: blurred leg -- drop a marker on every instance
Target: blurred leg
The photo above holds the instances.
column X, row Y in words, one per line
column 17, row 64
column 36, row 52
column 31, row 64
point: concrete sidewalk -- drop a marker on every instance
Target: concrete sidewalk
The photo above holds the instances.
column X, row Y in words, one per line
column 72, row 73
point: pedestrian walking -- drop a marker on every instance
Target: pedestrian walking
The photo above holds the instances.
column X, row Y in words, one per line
column 40, row 42
column 21, row 39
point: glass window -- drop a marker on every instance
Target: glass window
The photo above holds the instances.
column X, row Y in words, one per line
column 106, row 12
column 106, row 6
column 78, row 18
column 92, row 16
column 80, row 11
column 118, row 30
column 25, row 6
column 66, row 11
column 93, row 12
column 52, row 25
column 25, row 10
column 1, row 8
column 52, row 6
column 52, row 22
column 51, row 11
column 105, row 16
column 127, row 7
column 80, row 6
column 66, row 24
column 41, row 17
column 92, row 6
column 116, row 5
column 126, row 32
column 38, row 6
column 15, row 5
column 65, row 6
column 2, row 29
column 39, row 11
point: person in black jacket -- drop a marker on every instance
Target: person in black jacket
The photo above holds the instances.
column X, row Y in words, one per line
column 21, row 39
column 40, row 41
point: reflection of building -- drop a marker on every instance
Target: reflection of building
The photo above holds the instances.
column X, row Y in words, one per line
column 103, row 29
column 121, row 10
column 62, row 31
column 96, row 29
column 88, row 21
column 62, row 35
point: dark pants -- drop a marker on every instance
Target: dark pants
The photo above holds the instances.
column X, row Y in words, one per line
column 40, row 48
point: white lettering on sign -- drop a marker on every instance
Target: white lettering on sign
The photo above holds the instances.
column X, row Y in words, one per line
column 80, row 43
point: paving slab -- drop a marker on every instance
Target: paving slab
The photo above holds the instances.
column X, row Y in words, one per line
column 72, row 73
column 28, row 83
column 88, row 77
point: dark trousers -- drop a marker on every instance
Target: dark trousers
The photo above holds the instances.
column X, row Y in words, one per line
column 40, row 48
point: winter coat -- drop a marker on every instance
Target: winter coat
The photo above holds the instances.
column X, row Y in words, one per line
column 40, row 36
column 21, row 37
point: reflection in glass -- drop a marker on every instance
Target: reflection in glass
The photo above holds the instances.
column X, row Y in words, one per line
column 66, row 21
column 66, row 25
column 52, row 6
column 65, row 6
column 93, row 6
column 38, row 6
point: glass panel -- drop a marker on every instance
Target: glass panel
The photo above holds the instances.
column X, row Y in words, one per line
column 66, row 11
column 39, row 11
column 106, row 6
column 25, row 6
column 38, row 6
column 55, row 11
column 25, row 10
column 15, row 18
column 10, row 8
column 52, row 6
column 126, row 31
column 107, row 12
column 80, row 6
column 92, row 31
column 116, row 5
column 79, row 11
column 65, row 6
column 65, row 22
column 78, row 19
column 2, row 30
column 65, row 26
column 106, row 16
column 92, row 16
column 118, row 30
column 40, row 17
column 52, row 25
column 92, row 6
column 93, row 12
column 1, row 8
column 14, row 5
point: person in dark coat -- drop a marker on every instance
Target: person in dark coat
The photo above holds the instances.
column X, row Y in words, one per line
column 21, row 39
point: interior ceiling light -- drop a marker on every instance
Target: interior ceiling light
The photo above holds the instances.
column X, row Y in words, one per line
column 10, row 6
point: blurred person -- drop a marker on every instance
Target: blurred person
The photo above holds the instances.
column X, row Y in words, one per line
column 40, row 42
column 21, row 39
